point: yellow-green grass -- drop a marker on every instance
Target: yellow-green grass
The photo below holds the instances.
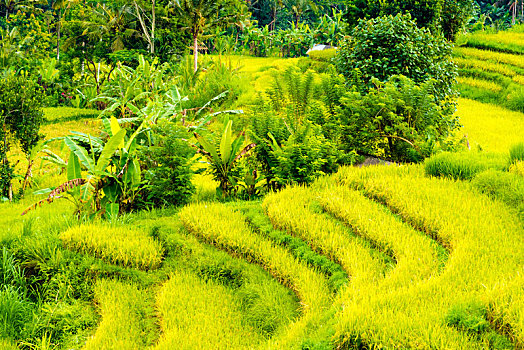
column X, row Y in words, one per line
column 480, row 83
column 487, row 55
column 126, row 312
column 505, row 41
column 57, row 114
column 486, row 248
column 485, row 66
column 519, row 79
column 289, row 210
column 492, row 127
column 374, row 222
column 227, row 229
column 205, row 187
column 115, row 244
column 6, row 344
column 195, row 314
column 517, row 168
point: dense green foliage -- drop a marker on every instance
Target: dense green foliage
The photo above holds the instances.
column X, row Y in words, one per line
column 21, row 116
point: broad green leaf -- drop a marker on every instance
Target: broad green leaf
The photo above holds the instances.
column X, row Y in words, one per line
column 109, row 149
column 74, row 171
column 209, row 148
column 81, row 153
column 225, row 143
column 115, row 127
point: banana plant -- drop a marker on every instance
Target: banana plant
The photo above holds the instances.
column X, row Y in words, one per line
column 105, row 184
column 223, row 156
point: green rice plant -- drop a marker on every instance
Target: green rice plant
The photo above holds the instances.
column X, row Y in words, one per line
column 63, row 114
column 126, row 317
column 227, row 229
column 485, row 239
column 117, row 245
column 289, row 210
column 299, row 248
column 516, row 153
column 492, row 127
column 463, row 165
column 505, row 186
column 486, row 66
column 480, row 83
column 504, row 41
column 498, row 57
column 196, row 314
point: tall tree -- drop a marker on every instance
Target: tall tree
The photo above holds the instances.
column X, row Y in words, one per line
column 300, row 7
column 61, row 6
column 199, row 16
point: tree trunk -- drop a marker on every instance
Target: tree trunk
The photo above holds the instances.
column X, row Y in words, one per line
column 153, row 27
column 58, row 36
column 195, row 52
column 28, row 174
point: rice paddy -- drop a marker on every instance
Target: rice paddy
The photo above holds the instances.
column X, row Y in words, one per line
column 385, row 257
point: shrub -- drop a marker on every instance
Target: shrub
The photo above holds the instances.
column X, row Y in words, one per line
column 507, row 187
column 21, row 116
column 306, row 155
column 118, row 245
column 399, row 120
column 463, row 166
column 323, row 55
column 387, row 46
column 168, row 166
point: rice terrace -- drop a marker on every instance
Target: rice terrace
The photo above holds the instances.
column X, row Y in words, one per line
column 230, row 174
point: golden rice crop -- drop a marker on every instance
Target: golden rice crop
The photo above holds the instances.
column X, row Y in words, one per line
column 6, row 344
column 486, row 248
column 485, row 65
column 289, row 211
column 480, row 83
column 227, row 229
column 373, row 221
column 124, row 308
column 519, row 79
column 486, row 55
column 492, row 127
column 201, row 315
column 506, row 41
column 517, row 168
column 118, row 245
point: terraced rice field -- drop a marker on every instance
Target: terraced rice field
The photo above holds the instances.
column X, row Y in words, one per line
column 373, row 257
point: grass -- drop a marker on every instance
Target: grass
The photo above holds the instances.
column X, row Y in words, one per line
column 63, row 114
column 289, row 210
column 196, row 314
column 491, row 127
column 487, row 55
column 228, row 230
column 504, row 41
column 505, row 186
column 479, row 260
column 126, row 317
column 480, row 83
column 118, row 245
column 465, row 165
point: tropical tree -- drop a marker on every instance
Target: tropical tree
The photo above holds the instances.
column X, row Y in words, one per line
column 199, row 16
column 61, row 6
column 300, row 7
column 12, row 5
